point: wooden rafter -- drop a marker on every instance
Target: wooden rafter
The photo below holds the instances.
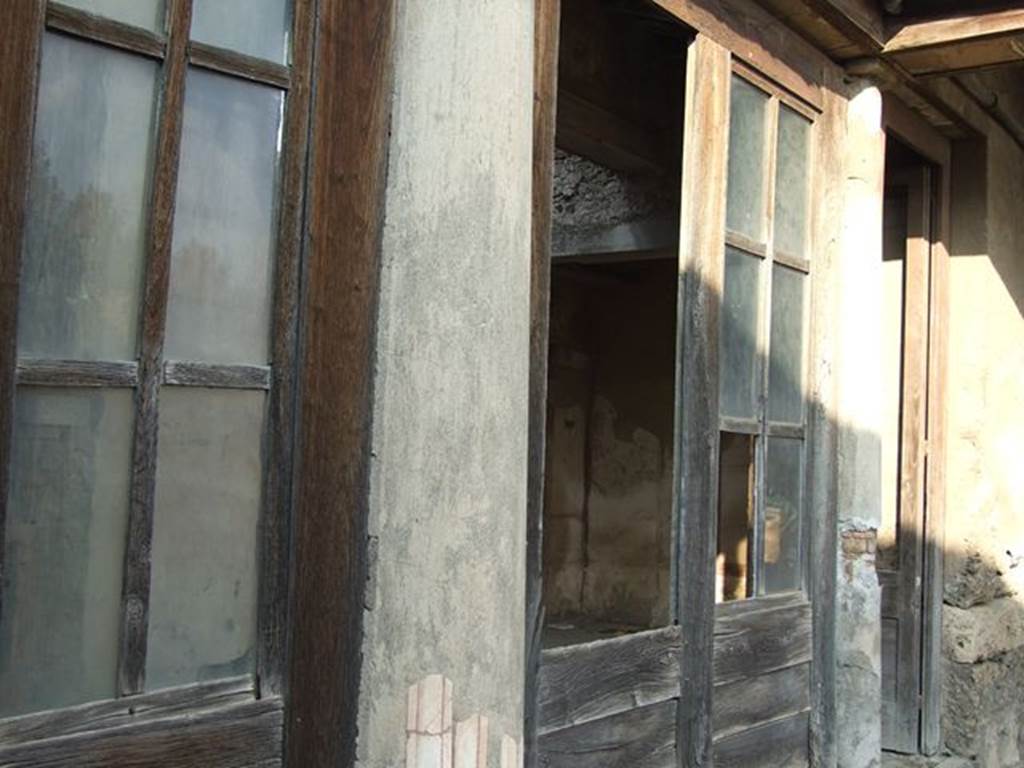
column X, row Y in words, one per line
column 959, row 43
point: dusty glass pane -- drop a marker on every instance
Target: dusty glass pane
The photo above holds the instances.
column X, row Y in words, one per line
column 782, row 518
column 224, row 222
column 253, row 27
column 738, row 391
column 786, row 361
column 791, row 183
column 66, row 523
column 735, row 516
column 86, row 223
column 202, row 620
column 745, row 211
column 148, row 14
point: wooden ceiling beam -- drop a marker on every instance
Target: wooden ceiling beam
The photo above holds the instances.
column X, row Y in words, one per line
column 959, row 43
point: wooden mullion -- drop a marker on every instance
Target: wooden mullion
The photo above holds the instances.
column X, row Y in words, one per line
column 793, row 262
column 88, row 26
column 236, row 64
column 740, row 426
column 77, row 373
column 192, row 374
column 746, row 244
column 22, row 25
column 135, row 589
column 701, row 255
column 756, row 565
column 276, row 513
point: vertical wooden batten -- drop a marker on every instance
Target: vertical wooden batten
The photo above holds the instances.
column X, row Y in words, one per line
column 19, row 61
column 702, row 222
column 277, row 497
column 547, row 17
column 345, row 217
column 137, row 562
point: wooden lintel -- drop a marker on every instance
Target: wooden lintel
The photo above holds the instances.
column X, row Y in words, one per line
column 587, row 129
column 757, row 37
column 960, row 43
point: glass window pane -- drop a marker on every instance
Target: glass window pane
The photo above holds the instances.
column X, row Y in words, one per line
column 67, row 519
column 224, row 222
column 202, row 620
column 253, row 27
column 86, row 223
column 786, row 365
column 739, row 357
column 148, row 14
column 735, row 516
column 745, row 211
column 782, row 518
column 791, row 183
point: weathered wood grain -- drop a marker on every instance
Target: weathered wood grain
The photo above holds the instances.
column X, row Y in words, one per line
column 593, row 681
column 640, row 738
column 22, row 23
column 276, row 515
column 239, row 65
column 754, row 701
column 190, row 374
column 822, row 530
column 779, row 744
column 752, row 642
column 135, row 587
column 547, row 19
column 969, row 40
column 702, row 234
column 236, row 736
column 76, row 373
column 131, row 710
column 760, row 39
column 79, row 23
column 348, row 161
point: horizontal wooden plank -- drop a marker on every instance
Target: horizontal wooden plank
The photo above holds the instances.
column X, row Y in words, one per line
column 640, row 738
column 247, row 735
column 747, row 244
column 589, row 130
column 759, row 636
column 739, row 426
column 76, row 373
column 953, row 30
column 744, row 704
column 190, row 374
column 588, row 682
column 91, row 27
column 131, row 710
column 792, row 431
column 780, row 744
column 239, row 65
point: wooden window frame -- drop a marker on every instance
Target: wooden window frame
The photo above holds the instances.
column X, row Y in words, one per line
column 312, row 567
column 768, row 255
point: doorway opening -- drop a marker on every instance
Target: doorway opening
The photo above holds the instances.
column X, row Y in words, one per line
column 906, row 558
column 610, row 435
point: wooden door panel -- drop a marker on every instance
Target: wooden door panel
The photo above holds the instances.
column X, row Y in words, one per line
column 907, row 243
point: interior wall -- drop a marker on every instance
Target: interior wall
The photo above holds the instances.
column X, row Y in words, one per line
column 608, row 489
column 983, row 615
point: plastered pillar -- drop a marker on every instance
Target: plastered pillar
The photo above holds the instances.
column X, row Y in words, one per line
column 444, row 638
column 858, row 598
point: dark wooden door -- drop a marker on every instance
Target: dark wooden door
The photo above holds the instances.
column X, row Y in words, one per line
column 905, row 309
